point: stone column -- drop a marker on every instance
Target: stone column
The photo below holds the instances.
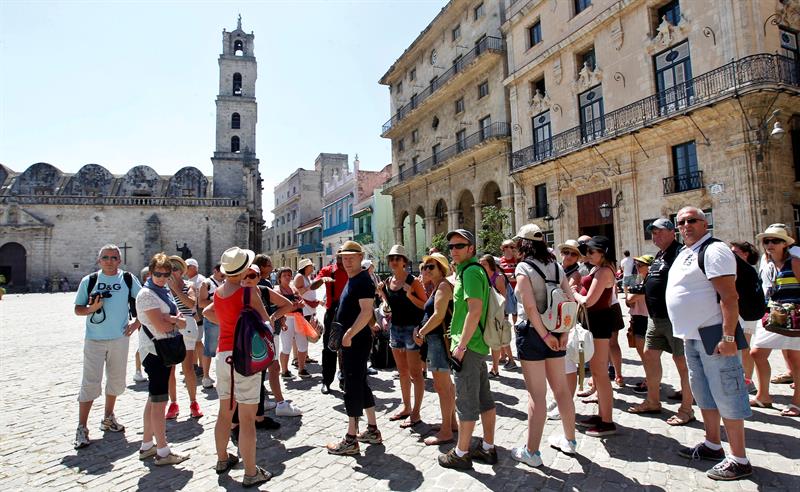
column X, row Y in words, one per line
column 507, row 202
column 398, row 234
column 430, row 225
column 478, row 210
column 412, row 238
column 452, row 222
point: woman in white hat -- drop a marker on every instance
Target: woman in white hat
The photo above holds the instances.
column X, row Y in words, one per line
column 783, row 270
column 406, row 297
column 289, row 336
column 302, row 284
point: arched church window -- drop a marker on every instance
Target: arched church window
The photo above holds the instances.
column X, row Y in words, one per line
column 237, row 84
column 238, row 48
column 234, row 144
column 236, row 121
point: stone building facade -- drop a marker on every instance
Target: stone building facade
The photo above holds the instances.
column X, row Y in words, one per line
column 626, row 111
column 449, row 127
column 53, row 223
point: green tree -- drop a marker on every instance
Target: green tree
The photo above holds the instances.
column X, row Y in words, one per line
column 440, row 242
column 493, row 226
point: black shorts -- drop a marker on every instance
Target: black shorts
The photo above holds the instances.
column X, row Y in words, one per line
column 639, row 325
column 530, row 345
column 157, row 378
column 617, row 322
column 601, row 323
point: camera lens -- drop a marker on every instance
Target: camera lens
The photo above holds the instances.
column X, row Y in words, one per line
column 106, row 294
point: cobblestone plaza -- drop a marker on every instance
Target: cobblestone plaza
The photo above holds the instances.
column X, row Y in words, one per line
column 41, row 345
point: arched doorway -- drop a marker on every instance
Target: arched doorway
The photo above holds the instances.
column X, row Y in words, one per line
column 440, row 213
column 14, row 265
column 466, row 209
column 491, row 195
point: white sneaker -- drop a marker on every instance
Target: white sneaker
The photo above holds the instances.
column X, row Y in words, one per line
column 208, row 383
column 270, row 405
column 110, row 424
column 139, row 377
column 81, row 437
column 287, row 409
column 563, row 444
column 523, row 455
column 552, row 411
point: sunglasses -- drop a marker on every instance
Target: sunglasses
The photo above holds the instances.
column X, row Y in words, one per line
column 772, row 240
column 395, row 258
column 161, row 274
column 453, row 246
column 569, row 253
column 112, row 258
column 429, row 266
column 251, row 276
column 688, row 221
column 177, row 269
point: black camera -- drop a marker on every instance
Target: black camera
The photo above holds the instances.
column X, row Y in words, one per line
column 583, row 248
column 100, row 295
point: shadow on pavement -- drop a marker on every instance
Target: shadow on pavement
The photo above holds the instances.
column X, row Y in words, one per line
column 99, row 457
column 378, row 464
column 165, row 477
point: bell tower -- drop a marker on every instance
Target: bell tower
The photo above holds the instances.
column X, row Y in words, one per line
column 236, row 173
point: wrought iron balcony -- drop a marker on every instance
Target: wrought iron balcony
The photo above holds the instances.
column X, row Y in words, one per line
column 304, row 249
column 363, row 238
column 495, row 130
column 683, row 182
column 729, row 80
column 485, row 45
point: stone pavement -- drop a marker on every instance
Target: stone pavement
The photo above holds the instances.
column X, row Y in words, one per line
column 40, row 367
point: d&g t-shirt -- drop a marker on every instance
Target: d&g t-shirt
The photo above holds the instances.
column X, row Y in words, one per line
column 114, row 307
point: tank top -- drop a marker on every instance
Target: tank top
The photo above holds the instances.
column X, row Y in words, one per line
column 786, row 286
column 185, row 310
column 228, row 310
column 429, row 309
column 292, row 297
column 404, row 312
column 605, row 298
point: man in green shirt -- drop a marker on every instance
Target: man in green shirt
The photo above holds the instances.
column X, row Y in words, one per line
column 473, row 398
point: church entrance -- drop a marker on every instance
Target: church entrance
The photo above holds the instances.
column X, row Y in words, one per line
column 590, row 220
column 13, row 265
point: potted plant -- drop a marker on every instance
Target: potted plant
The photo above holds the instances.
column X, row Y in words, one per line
column 2, row 283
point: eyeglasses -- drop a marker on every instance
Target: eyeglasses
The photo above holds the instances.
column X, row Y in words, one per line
column 429, row 266
column 453, row 246
column 251, row 276
column 772, row 240
column 161, row 274
column 688, row 221
column 112, row 258
column 569, row 253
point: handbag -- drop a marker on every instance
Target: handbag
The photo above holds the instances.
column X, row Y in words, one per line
column 580, row 346
column 782, row 318
column 337, row 334
column 170, row 350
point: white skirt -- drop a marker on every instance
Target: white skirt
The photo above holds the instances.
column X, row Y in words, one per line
column 767, row 340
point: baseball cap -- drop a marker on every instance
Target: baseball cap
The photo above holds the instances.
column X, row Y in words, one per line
column 463, row 233
column 661, row 223
column 192, row 262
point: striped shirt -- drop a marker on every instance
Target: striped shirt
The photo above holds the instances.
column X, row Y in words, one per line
column 509, row 267
column 187, row 311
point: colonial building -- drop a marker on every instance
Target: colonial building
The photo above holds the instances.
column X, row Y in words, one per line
column 53, row 223
column 449, row 124
column 373, row 224
column 309, row 240
column 626, row 111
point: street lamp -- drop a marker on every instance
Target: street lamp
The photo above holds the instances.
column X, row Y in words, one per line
column 550, row 219
column 605, row 208
column 764, row 138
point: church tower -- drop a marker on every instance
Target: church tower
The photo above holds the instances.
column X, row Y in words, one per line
column 236, row 173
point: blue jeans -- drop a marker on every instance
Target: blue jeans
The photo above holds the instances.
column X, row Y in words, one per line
column 717, row 381
column 437, row 353
column 210, row 338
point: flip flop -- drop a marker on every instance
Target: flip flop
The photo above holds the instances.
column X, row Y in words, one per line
column 644, row 409
column 681, row 419
column 588, row 392
column 435, row 441
column 782, row 378
column 409, row 424
column 395, row 418
column 589, row 400
column 791, row 411
column 754, row 402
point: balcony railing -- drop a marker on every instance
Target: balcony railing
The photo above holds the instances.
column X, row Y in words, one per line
column 495, row 130
column 304, row 249
column 348, row 224
column 726, row 81
column 487, row 44
column 683, row 182
column 363, row 238
column 131, row 201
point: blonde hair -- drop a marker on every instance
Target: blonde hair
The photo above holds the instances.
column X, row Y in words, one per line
column 160, row 260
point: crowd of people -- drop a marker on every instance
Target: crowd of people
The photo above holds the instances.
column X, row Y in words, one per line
column 687, row 300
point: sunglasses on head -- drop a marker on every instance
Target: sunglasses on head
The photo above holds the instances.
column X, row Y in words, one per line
column 112, row 258
column 688, row 221
column 772, row 240
column 161, row 274
column 567, row 252
column 177, row 269
column 429, row 266
column 251, row 276
column 453, row 246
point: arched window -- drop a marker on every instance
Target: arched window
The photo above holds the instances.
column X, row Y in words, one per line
column 234, row 144
column 237, row 84
column 236, row 121
column 238, row 48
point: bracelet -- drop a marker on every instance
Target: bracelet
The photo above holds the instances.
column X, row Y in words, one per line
column 460, row 349
column 546, row 335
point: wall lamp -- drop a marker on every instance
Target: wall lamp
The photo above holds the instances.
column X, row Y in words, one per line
column 765, row 135
column 606, row 209
column 550, row 219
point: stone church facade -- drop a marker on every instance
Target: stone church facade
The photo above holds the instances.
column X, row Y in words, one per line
column 53, row 223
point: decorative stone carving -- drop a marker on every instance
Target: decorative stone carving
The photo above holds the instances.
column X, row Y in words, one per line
column 788, row 12
column 617, row 35
column 667, row 34
column 539, row 102
column 39, row 179
column 152, row 237
column 90, row 180
column 587, row 78
column 557, row 73
column 188, row 182
column 139, row 181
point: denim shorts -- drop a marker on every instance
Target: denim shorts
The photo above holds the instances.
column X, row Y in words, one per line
column 210, row 338
column 437, row 353
column 717, row 382
column 402, row 337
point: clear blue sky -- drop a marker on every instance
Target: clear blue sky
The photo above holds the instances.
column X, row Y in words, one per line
column 127, row 83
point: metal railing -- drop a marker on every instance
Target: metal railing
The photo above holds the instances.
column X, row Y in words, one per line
column 363, row 238
column 725, row 81
column 683, row 182
column 309, row 248
column 495, row 130
column 135, row 201
column 487, row 44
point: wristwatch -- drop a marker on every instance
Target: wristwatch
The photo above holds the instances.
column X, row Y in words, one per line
column 728, row 338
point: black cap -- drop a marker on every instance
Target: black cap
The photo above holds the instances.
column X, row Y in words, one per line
column 463, row 233
column 601, row 243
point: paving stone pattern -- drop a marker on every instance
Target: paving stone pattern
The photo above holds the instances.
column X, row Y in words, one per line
column 41, row 344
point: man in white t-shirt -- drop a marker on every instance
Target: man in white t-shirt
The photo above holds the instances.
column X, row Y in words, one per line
column 698, row 301
column 626, row 267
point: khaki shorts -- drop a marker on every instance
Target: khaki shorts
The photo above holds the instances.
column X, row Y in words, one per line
column 97, row 354
column 659, row 337
column 246, row 389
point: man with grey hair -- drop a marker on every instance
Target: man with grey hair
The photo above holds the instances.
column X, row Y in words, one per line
column 702, row 304
column 104, row 299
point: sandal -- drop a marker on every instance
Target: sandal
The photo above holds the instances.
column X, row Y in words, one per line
column 644, row 408
column 681, row 418
column 791, row 411
column 399, row 416
column 782, row 378
column 588, row 392
column 409, row 424
column 435, row 441
column 756, row 403
column 223, row 466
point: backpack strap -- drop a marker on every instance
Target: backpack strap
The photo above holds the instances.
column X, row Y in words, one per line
column 128, row 278
column 701, row 253
column 541, row 273
column 91, row 284
column 148, row 333
column 247, row 297
column 488, row 281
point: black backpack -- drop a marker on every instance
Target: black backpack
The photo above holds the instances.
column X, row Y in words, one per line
column 752, row 305
column 128, row 281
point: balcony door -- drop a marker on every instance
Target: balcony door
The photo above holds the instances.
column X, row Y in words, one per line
column 591, row 111
column 542, row 143
column 673, row 78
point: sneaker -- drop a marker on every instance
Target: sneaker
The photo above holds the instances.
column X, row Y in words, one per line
column 372, row 371
column 194, row 410
column 346, row 446
column 480, row 454
column 172, row 411
column 267, row 424
column 110, row 424
column 522, row 454
column 702, row 452
column 138, row 377
column 170, row 459
column 325, row 389
column 552, row 411
column 81, row 437
column 287, row 375
column 223, row 466
column 641, row 388
column 563, row 444
column 208, row 383
column 149, row 453
column 370, row 436
column 303, row 374
column 294, row 363
column 261, row 476
column 270, row 405
column 729, row 469
column 309, row 360
column 589, row 422
column 451, row 460
column 602, row 429
column 287, row 409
